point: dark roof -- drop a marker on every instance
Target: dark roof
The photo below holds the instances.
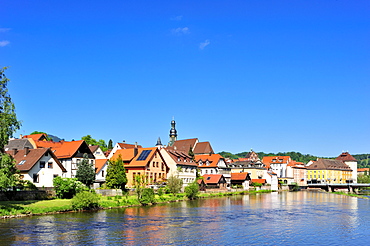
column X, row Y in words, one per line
column 129, row 146
column 31, row 158
column 176, row 155
column 203, row 148
column 345, row 156
column 328, row 164
column 93, row 148
column 18, row 144
column 185, row 144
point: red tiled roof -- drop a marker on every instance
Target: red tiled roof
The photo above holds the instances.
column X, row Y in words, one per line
column 212, row 178
column 345, row 156
column 261, row 181
column 62, row 149
column 239, row 176
column 143, row 163
column 128, row 146
column 279, row 159
column 126, row 154
column 99, row 164
column 213, row 160
column 363, row 169
column 36, row 137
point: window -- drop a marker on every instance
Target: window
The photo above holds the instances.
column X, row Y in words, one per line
column 35, row 178
column 157, row 164
column 22, row 162
column 211, row 171
column 55, row 175
column 206, row 171
column 102, row 173
column 42, row 164
column 50, row 165
column 78, row 161
column 46, row 154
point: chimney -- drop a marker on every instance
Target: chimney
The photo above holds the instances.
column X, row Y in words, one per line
column 135, row 144
column 26, row 150
column 20, row 136
column 135, row 151
column 15, row 151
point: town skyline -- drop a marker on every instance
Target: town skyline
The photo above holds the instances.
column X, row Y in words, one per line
column 272, row 77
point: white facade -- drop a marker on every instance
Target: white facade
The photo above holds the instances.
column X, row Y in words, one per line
column 43, row 172
column 70, row 164
column 115, row 148
column 187, row 173
column 353, row 166
column 99, row 154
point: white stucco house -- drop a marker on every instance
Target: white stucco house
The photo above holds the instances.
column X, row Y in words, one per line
column 40, row 166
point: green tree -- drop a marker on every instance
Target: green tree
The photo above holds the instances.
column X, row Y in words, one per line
column 192, row 190
column 116, row 174
column 7, row 172
column 174, row 184
column 85, row 171
column 110, row 144
column 91, row 141
column 144, row 195
column 8, row 119
column 8, row 125
column 191, row 153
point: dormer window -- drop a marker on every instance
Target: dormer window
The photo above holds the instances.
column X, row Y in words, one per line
column 207, row 163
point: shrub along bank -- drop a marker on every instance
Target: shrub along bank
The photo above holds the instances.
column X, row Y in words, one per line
column 90, row 200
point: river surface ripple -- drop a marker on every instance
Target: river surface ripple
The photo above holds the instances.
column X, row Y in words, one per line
column 286, row 218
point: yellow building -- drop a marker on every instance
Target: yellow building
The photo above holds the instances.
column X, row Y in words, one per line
column 329, row 171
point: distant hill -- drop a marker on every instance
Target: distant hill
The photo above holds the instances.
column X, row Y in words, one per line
column 363, row 159
column 54, row 138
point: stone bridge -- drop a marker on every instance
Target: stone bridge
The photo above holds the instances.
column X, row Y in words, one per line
column 332, row 187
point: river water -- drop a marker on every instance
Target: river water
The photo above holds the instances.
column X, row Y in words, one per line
column 286, row 218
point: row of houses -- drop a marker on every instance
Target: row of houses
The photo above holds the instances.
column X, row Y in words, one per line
column 40, row 160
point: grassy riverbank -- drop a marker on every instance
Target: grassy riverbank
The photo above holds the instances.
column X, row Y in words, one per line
column 350, row 194
column 24, row 208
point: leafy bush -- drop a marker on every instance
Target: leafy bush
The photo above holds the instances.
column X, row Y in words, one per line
column 255, row 184
column 85, row 200
column 160, row 192
column 26, row 185
column 192, row 190
column 174, row 184
column 66, row 188
column 147, row 196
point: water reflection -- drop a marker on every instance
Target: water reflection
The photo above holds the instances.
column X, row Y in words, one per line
column 287, row 218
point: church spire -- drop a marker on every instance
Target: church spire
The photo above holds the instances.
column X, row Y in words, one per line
column 159, row 142
column 173, row 133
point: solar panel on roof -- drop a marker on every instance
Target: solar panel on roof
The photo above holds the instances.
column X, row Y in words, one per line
column 143, row 155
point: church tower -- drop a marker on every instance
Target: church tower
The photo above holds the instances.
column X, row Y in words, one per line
column 173, row 133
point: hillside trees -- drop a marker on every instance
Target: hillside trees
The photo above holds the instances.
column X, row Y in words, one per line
column 8, row 125
column 91, row 141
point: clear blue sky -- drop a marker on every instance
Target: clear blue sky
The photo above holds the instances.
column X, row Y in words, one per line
column 268, row 75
